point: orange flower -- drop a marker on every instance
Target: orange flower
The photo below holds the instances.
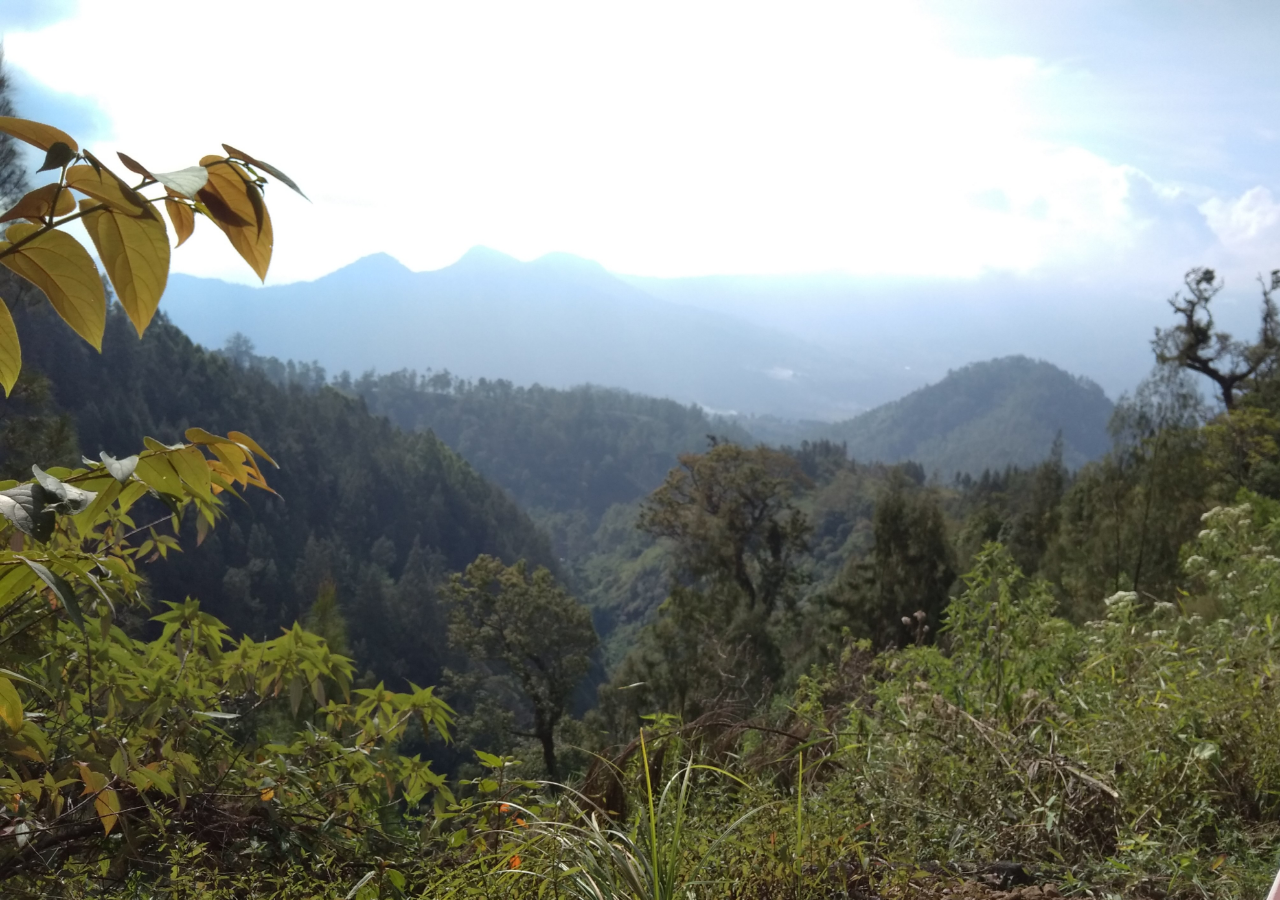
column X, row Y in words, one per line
column 521, row 822
column 504, row 807
column 515, row 862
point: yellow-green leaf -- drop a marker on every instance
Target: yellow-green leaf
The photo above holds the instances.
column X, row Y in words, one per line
column 107, row 803
column 36, row 133
column 183, row 219
column 57, row 264
column 105, row 186
column 135, row 253
column 10, row 350
column 10, row 705
column 191, row 466
column 230, row 185
column 229, row 182
column 157, row 472
column 244, row 440
column 39, row 203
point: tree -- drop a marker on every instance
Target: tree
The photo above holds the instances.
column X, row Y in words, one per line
column 909, row 570
column 126, row 230
column 13, row 176
column 1125, row 518
column 1193, row 344
column 738, row 542
column 532, row 632
column 730, row 517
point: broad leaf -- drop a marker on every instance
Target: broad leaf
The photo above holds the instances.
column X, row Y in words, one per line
column 57, row 156
column 105, row 186
column 187, row 182
column 253, row 245
column 10, row 705
column 66, row 596
column 105, row 799
column 38, row 204
column 10, row 350
column 230, row 185
column 134, row 166
column 63, row 498
column 183, row 219
column 107, row 803
column 57, row 264
column 245, row 441
column 121, row 469
column 135, row 253
column 36, row 133
column 25, row 507
column 157, row 473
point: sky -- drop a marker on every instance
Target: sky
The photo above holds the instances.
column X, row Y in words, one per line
column 918, row 138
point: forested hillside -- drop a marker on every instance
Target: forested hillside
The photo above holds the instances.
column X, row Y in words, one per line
column 986, row 415
column 381, row 513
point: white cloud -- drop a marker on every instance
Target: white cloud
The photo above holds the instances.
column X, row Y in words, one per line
column 668, row 138
column 1240, row 222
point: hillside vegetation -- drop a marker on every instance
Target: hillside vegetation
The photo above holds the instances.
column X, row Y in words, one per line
column 383, row 514
column 986, row 415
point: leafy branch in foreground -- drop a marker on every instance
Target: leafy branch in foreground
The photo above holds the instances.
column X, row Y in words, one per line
column 249, row 749
column 126, row 230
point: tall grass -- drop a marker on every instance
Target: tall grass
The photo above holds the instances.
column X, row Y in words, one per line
column 587, row 856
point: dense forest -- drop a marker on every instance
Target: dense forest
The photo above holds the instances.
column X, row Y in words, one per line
column 471, row 638
column 380, row 514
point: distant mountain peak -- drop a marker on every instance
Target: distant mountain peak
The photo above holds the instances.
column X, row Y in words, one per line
column 479, row 257
column 568, row 262
column 373, row 265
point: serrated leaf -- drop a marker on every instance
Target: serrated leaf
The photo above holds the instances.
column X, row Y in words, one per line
column 10, row 705
column 66, row 596
column 187, row 182
column 135, row 252
column 121, row 469
column 10, row 350
column 57, row 264
column 25, row 507
column 183, row 219
column 105, row 186
column 40, row 203
column 36, row 133
column 266, row 167
column 58, row 155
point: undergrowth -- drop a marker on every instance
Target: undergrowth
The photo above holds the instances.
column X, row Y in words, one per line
column 1134, row 756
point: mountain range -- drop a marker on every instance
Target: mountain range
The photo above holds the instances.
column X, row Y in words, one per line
column 558, row 321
